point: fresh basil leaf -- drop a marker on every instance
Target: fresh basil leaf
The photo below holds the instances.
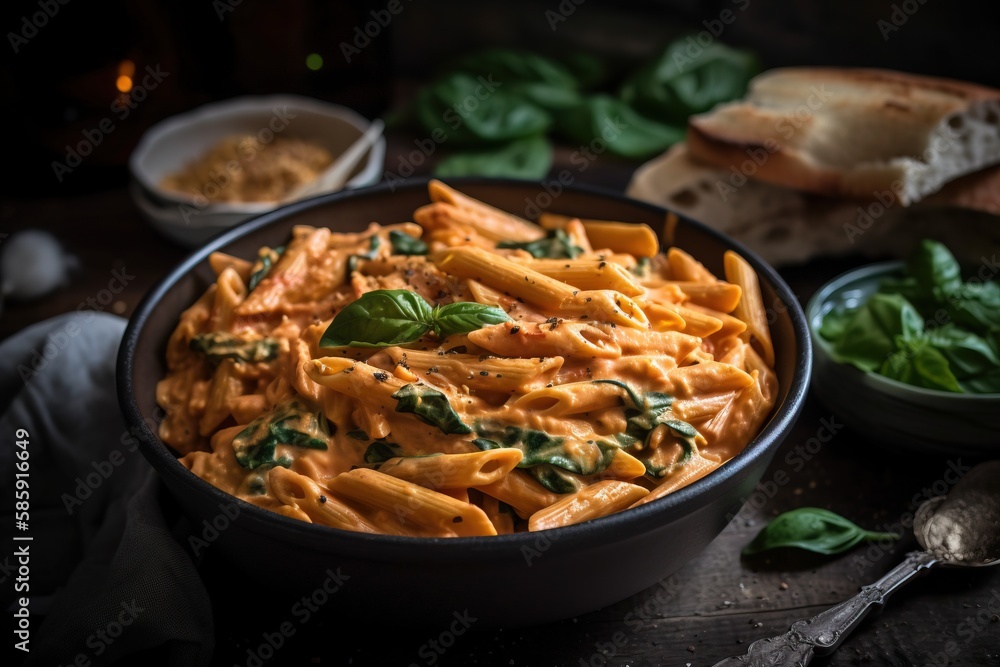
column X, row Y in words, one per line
column 528, row 157
column 380, row 318
column 267, row 258
column 812, row 529
column 626, row 132
column 287, row 424
column 975, row 305
column 968, row 355
column 868, row 336
column 219, row 345
column 677, row 85
column 381, row 451
column 465, row 316
column 918, row 363
column 404, row 244
column 934, row 268
column 556, row 245
column 431, row 406
column 471, row 110
column 539, row 448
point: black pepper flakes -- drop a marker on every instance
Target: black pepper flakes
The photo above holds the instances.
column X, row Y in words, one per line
column 484, row 373
column 322, row 499
column 602, row 265
column 457, row 519
column 589, row 299
column 381, row 376
column 514, row 330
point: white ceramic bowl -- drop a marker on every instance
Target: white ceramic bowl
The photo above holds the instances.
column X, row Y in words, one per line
column 171, row 144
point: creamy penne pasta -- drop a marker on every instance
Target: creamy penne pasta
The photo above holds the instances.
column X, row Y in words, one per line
column 470, row 373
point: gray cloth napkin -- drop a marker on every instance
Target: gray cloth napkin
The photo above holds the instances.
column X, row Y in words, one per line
column 108, row 581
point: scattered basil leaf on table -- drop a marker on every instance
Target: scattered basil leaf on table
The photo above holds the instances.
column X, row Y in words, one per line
column 813, row 529
column 529, row 157
column 382, row 318
column 431, row 406
column 557, row 244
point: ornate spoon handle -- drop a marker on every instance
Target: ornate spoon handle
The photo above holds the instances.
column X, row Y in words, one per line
column 822, row 633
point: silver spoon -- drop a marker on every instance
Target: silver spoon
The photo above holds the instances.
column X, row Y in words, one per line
column 961, row 529
column 336, row 174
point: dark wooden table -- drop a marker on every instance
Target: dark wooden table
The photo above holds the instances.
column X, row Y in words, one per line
column 712, row 608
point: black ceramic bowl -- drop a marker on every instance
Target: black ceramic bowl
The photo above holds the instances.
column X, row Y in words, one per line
column 510, row 579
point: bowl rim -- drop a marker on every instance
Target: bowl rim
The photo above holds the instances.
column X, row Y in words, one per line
column 457, row 549
column 879, row 382
column 158, row 132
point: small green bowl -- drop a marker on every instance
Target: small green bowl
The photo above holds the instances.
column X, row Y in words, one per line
column 886, row 411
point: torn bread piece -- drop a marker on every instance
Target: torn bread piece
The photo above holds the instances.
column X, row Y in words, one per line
column 853, row 132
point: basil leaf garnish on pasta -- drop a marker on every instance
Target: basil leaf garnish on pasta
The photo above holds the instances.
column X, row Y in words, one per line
column 813, row 529
column 287, row 424
column 266, row 260
column 464, row 316
column 383, row 318
column 431, row 406
column 379, row 319
column 219, row 345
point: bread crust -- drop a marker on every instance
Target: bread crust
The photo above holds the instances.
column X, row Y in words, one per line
column 850, row 132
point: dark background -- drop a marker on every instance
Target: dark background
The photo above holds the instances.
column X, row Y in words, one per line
column 62, row 81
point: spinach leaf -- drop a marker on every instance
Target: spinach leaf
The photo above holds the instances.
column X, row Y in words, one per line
column 554, row 479
column 352, row 262
column 379, row 319
column 538, row 447
column 465, row 316
column 431, row 406
column 975, row 305
column 381, row 451
column 867, row 335
column 267, row 258
column 934, row 268
column 454, row 107
column 404, row 244
column 219, row 345
column 287, row 424
column 677, row 85
column 528, row 157
column 382, row 318
column 812, row 529
column 556, row 245
column 626, row 132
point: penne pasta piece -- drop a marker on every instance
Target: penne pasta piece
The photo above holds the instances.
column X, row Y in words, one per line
column 489, row 374
column 220, row 261
column 507, row 225
column 721, row 296
column 588, row 274
column 520, row 492
column 750, row 308
column 568, row 339
column 685, row 267
column 570, row 399
column 502, row 520
column 632, row 238
column 451, row 471
column 303, row 494
column 442, row 514
column 688, row 474
column 590, row 502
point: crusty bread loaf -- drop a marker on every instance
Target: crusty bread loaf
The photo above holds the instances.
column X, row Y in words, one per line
column 788, row 227
column 853, row 132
